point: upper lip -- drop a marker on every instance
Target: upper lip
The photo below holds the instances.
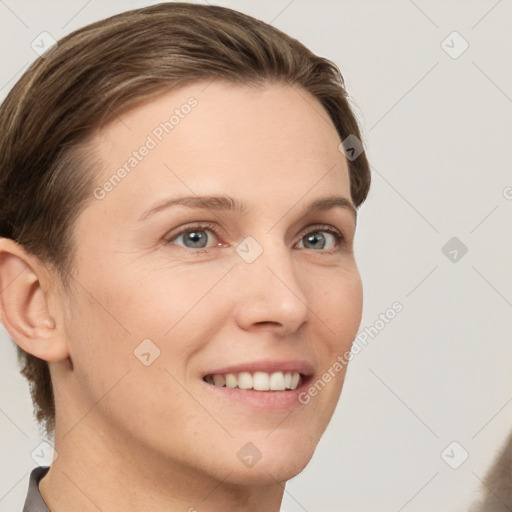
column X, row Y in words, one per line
column 269, row 366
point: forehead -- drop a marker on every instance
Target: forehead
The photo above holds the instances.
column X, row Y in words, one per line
column 217, row 138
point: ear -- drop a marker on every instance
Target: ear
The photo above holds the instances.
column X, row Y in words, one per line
column 28, row 305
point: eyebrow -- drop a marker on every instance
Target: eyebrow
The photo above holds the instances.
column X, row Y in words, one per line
column 230, row 204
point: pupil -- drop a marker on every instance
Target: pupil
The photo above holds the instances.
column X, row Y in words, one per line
column 197, row 239
column 317, row 237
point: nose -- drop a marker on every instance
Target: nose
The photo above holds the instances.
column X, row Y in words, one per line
column 269, row 295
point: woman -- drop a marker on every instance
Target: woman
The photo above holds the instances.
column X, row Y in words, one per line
column 179, row 187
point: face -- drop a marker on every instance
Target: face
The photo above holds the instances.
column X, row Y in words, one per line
column 176, row 301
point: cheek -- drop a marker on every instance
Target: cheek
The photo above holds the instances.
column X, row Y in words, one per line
column 170, row 314
column 147, row 300
column 338, row 305
column 100, row 343
column 172, row 305
column 339, row 310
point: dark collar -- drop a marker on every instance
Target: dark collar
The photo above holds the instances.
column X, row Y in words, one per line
column 34, row 501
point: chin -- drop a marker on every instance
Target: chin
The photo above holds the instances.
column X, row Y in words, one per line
column 270, row 471
column 279, row 457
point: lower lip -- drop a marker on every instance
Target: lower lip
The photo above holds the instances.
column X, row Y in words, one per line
column 268, row 400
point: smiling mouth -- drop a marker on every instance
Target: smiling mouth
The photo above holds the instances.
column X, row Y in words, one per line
column 257, row 381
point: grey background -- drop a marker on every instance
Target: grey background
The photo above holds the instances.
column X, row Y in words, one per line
column 438, row 132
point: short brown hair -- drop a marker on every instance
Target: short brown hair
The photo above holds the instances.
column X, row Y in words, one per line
column 52, row 112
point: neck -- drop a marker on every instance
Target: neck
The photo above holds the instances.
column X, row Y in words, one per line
column 97, row 469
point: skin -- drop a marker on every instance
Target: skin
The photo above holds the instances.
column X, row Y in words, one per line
column 133, row 437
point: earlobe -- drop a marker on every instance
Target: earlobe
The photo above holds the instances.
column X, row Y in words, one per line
column 25, row 308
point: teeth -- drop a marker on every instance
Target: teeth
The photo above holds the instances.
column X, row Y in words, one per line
column 231, row 381
column 245, row 380
column 277, row 381
column 259, row 381
column 219, row 380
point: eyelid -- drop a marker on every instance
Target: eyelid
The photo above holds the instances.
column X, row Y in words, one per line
column 200, row 225
column 321, row 227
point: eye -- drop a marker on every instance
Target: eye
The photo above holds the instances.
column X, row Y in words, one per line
column 195, row 237
column 322, row 237
column 203, row 236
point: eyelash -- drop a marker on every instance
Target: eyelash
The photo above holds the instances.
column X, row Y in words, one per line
column 203, row 226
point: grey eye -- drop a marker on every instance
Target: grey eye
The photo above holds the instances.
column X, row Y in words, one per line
column 194, row 239
column 318, row 240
